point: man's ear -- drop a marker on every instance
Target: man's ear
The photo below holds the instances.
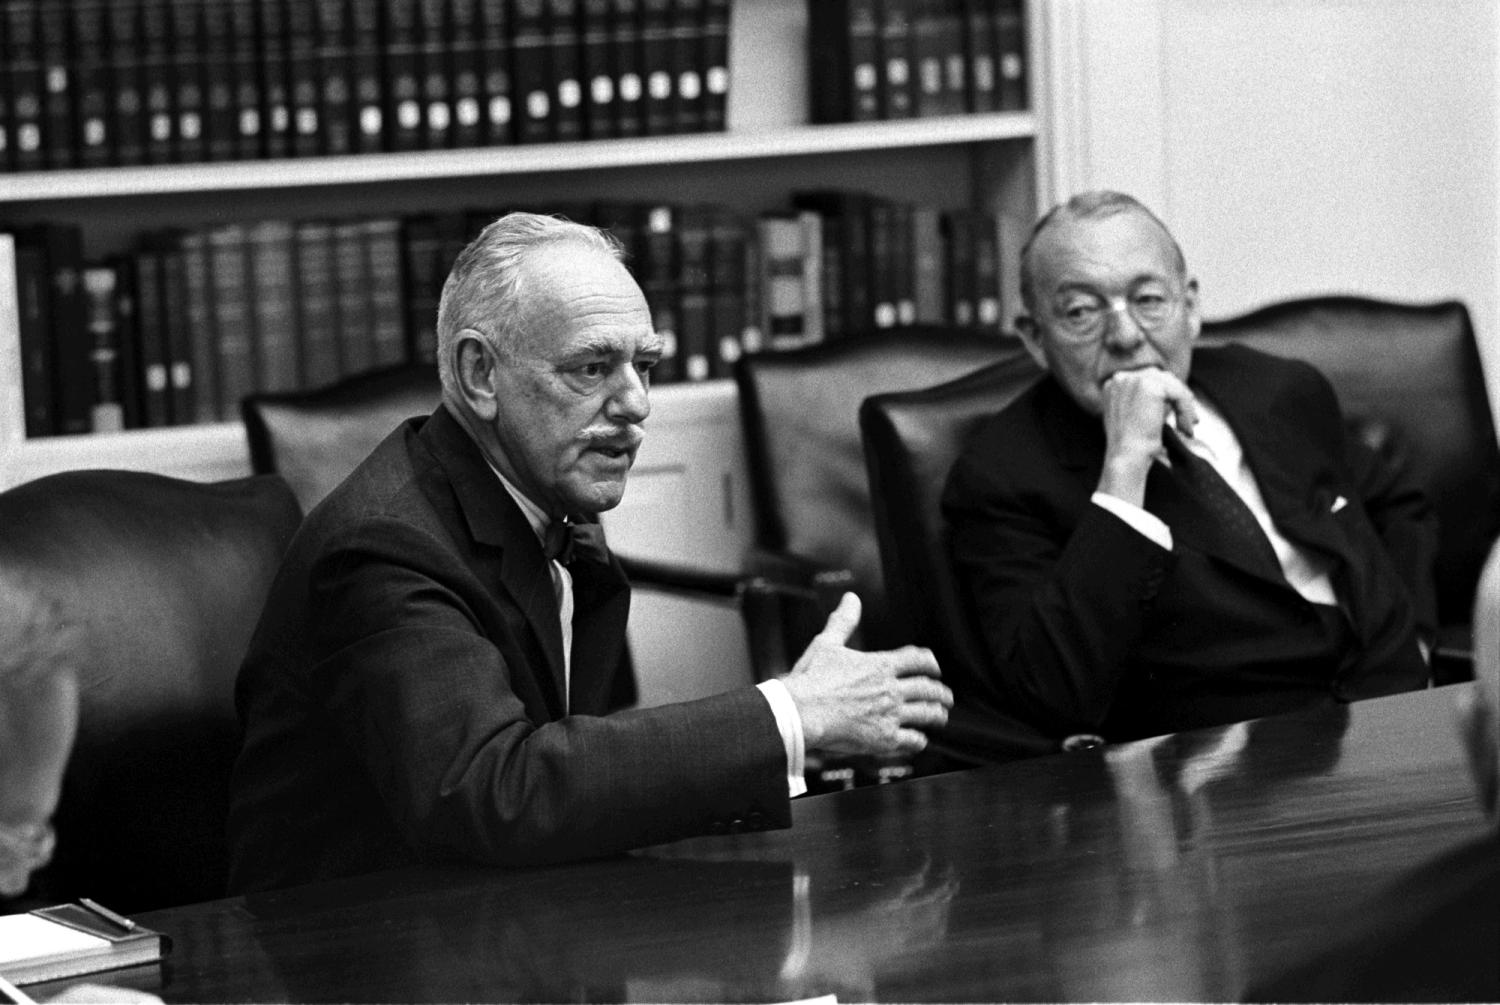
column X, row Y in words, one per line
column 1031, row 338
column 1190, row 305
column 474, row 373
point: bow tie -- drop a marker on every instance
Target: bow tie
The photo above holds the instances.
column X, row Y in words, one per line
column 566, row 541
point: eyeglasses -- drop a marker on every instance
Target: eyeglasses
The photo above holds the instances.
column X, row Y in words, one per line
column 1085, row 318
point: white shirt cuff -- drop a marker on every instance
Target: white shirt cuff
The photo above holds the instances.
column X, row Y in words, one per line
column 1143, row 521
column 789, row 724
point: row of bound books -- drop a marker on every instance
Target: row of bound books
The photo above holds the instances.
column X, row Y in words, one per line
column 180, row 328
column 92, row 83
column 897, row 59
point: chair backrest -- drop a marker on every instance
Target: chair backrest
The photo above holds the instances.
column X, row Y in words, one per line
column 800, row 414
column 314, row 438
column 911, row 439
column 1417, row 369
column 155, row 584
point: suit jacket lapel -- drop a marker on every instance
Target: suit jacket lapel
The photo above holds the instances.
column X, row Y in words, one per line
column 496, row 522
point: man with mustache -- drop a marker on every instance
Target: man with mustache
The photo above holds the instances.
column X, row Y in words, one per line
column 1154, row 538
column 433, row 671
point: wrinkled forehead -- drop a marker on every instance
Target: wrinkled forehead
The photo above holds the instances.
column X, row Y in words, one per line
column 1125, row 243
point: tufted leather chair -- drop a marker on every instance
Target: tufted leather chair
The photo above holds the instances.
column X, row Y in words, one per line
column 1414, row 369
column 150, row 587
column 800, row 415
column 314, row 438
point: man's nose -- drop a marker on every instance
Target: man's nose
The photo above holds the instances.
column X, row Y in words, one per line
column 1122, row 332
column 629, row 400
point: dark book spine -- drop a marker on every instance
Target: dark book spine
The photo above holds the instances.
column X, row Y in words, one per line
column 1010, row 48
column 848, row 214
column 627, row 67
column 94, row 140
column 929, row 266
column 988, row 308
column 367, row 111
column 694, row 262
column 72, row 377
column 233, row 320
column 5, row 120
column 107, row 412
column 221, row 116
column 595, row 41
column 904, row 271
column 686, row 47
column 273, row 288
column 958, row 243
column 844, row 58
column 317, row 304
column 386, row 286
column 34, row 310
column 983, row 91
column 423, row 276
column 658, row 278
column 181, row 378
column 531, row 75
column 715, row 65
column 334, row 76
column 23, row 79
column 128, row 124
column 275, row 88
column 202, row 339
column 56, row 33
column 187, row 69
column 495, row 67
column 352, row 276
column 466, row 68
column 245, row 79
column 726, row 281
column 403, row 75
column 928, row 58
column 435, row 74
column 657, row 69
column 155, row 364
column 157, row 81
column 304, row 80
column 128, row 359
column 895, row 60
column 565, row 69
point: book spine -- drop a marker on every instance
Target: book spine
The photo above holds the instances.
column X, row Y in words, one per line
column 928, row 265
column 988, row 308
column 959, row 245
column 157, row 81
column 24, row 79
column 688, row 66
column 495, row 67
column 627, row 67
column 186, row 60
column 783, row 294
column 72, row 378
column 595, row 41
column 423, row 278
column 201, row 341
column 715, row 65
column 434, row 73
column 6, row 158
column 127, row 126
column 352, row 278
column 387, row 284
column 334, row 76
column 365, row 75
column 1010, row 48
column 403, row 112
column 694, row 265
column 275, row 88
column 726, row 282
column 658, row 280
column 181, row 377
column 466, row 66
column 896, row 99
column 33, row 309
column 531, row 76
column 244, row 76
column 844, row 60
column 565, row 69
column 983, row 92
column 317, row 303
column 233, row 321
column 221, row 125
column 156, row 377
column 657, row 69
column 273, row 288
column 55, row 33
column 304, row 86
column 12, row 371
column 93, row 139
column 127, row 324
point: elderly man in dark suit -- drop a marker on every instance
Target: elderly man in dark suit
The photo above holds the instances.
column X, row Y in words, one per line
column 431, row 676
column 1154, row 538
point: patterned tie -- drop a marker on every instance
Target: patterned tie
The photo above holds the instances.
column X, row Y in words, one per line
column 566, row 541
column 1232, row 518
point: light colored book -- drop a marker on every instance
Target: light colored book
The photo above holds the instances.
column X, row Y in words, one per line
column 70, row 940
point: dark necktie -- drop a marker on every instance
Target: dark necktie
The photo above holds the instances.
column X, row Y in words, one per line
column 566, row 540
column 1232, row 519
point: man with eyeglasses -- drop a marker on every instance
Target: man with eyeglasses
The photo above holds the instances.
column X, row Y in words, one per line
column 1154, row 538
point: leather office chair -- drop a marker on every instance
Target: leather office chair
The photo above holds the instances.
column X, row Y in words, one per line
column 314, row 438
column 1416, row 369
column 800, row 416
column 911, row 439
column 151, row 587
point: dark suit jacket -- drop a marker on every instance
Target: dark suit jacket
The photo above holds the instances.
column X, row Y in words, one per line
column 402, row 697
column 1091, row 626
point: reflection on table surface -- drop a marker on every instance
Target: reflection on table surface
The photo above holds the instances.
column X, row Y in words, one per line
column 1189, row 867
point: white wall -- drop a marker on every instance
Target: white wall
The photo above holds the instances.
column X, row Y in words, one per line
column 1297, row 146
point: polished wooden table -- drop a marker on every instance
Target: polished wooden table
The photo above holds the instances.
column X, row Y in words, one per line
column 1189, row 868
